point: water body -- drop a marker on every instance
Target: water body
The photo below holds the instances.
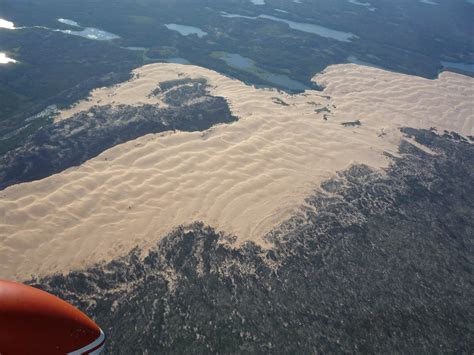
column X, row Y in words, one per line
column 5, row 60
column 7, row 24
column 303, row 27
column 355, row 2
column 186, row 30
column 87, row 32
column 92, row 33
column 354, row 60
column 68, row 22
column 237, row 61
column 284, row 81
column 465, row 67
column 138, row 49
column 364, row 4
column 177, row 60
column 316, row 29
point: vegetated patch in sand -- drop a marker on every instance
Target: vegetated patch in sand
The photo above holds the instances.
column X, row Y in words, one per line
column 243, row 178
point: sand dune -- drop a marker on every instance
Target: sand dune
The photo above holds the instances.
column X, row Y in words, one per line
column 401, row 100
column 243, row 178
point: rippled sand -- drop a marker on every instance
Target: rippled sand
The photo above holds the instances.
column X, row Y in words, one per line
column 243, row 178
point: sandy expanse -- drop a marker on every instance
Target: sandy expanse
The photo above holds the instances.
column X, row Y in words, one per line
column 402, row 100
column 243, row 178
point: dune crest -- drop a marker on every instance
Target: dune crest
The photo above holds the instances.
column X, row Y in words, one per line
column 243, row 178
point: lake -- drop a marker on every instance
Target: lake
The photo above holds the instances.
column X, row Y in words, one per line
column 5, row 60
column 88, row 32
column 303, row 27
column 186, row 30
column 365, row 4
column 138, row 49
column 177, row 60
column 7, row 24
column 237, row 61
column 354, row 60
column 465, row 67
column 358, row 3
column 92, row 33
column 68, row 22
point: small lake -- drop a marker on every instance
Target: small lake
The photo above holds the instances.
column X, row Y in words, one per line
column 465, row 67
column 68, row 22
column 177, row 60
column 284, row 81
column 87, row 32
column 138, row 49
column 7, row 24
column 364, row 4
column 186, row 30
column 354, row 60
column 358, row 3
column 5, row 60
column 237, row 61
column 92, row 33
column 303, row 27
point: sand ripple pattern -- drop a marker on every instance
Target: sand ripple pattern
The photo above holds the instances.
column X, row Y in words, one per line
column 243, row 178
column 373, row 94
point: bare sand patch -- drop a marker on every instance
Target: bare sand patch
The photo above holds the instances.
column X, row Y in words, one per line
column 372, row 94
column 242, row 178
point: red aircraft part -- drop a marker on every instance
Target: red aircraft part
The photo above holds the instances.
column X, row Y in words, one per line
column 35, row 322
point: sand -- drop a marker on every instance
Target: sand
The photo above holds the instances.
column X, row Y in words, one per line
column 367, row 93
column 242, row 178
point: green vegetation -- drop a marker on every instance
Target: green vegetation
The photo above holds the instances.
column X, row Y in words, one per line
column 55, row 68
column 58, row 146
column 355, row 123
column 279, row 101
column 380, row 263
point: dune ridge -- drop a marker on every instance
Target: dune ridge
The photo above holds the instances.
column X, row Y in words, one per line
column 242, row 178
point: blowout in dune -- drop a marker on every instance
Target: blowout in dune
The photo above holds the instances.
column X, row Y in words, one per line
column 243, row 178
